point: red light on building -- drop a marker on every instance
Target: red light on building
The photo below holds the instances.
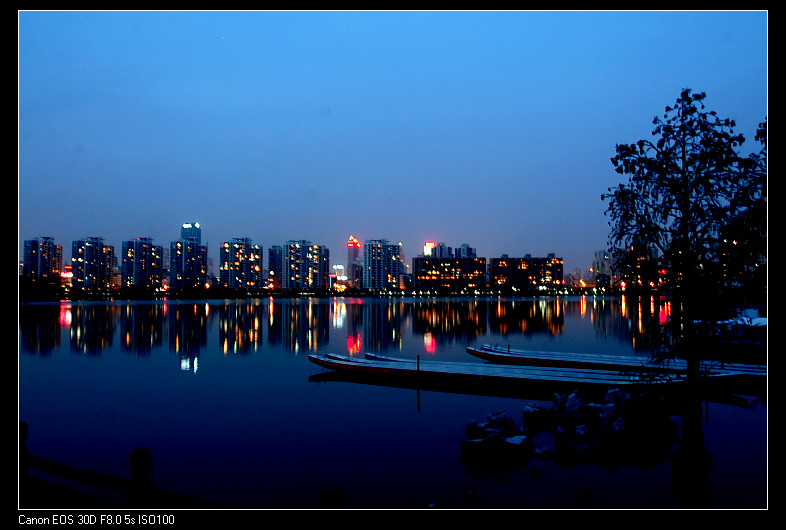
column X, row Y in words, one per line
column 353, row 242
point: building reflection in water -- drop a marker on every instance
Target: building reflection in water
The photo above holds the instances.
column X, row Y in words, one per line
column 142, row 328
column 306, row 325
column 92, row 328
column 188, row 332
column 240, row 327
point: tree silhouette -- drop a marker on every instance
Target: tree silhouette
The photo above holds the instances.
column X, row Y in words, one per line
column 688, row 192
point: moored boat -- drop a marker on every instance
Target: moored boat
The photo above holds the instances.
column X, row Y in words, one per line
column 515, row 381
column 482, row 372
column 502, row 355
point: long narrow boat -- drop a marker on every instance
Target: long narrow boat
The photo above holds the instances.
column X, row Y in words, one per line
column 508, row 356
column 531, row 382
column 474, row 372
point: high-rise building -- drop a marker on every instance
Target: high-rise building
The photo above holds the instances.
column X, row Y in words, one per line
column 443, row 251
column 188, row 259
column 92, row 264
column 241, row 264
column 601, row 266
column 305, row 266
column 191, row 231
column 187, row 265
column 321, row 266
column 353, row 249
column 354, row 263
column 382, row 267
column 142, row 263
column 466, row 251
column 275, row 267
column 42, row 258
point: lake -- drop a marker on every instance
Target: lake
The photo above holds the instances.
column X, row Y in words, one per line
column 223, row 394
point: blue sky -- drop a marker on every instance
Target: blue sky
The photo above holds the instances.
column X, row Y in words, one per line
column 494, row 129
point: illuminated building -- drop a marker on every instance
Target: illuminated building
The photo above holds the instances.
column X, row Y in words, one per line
column 448, row 274
column 275, row 264
column 191, row 231
column 601, row 271
column 92, row 264
column 441, row 250
column 526, row 273
column 142, row 263
column 354, row 263
column 382, row 267
column 338, row 280
column 42, row 258
column 353, row 249
column 241, row 264
column 305, row 266
column 188, row 259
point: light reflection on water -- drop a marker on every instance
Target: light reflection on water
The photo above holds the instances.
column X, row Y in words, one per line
column 219, row 391
column 309, row 325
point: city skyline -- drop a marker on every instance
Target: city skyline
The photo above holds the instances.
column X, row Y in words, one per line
column 95, row 266
column 494, row 129
column 337, row 256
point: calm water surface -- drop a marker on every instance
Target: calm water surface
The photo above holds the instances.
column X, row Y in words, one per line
column 220, row 392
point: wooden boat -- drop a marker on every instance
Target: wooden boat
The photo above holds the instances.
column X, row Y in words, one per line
column 473, row 372
column 530, row 382
column 501, row 355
